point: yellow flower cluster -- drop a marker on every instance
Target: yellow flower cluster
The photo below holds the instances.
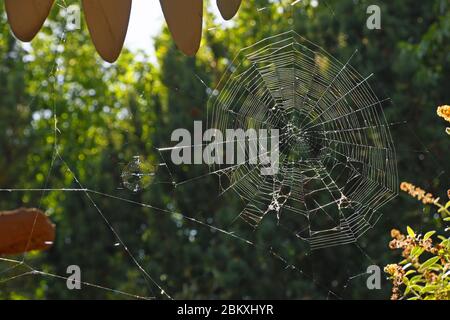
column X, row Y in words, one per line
column 444, row 112
column 416, row 192
column 396, row 273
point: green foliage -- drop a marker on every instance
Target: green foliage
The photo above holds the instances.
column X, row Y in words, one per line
column 424, row 272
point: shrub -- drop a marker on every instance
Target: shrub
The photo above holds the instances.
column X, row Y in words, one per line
column 424, row 273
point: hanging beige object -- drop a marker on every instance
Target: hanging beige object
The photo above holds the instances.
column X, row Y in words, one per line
column 185, row 19
column 26, row 17
column 24, row 230
column 107, row 22
column 228, row 8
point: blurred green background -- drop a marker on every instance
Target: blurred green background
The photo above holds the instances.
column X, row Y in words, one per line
column 107, row 114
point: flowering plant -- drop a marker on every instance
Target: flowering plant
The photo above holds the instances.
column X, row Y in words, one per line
column 424, row 273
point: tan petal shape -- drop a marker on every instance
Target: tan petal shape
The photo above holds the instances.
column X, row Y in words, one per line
column 26, row 17
column 107, row 22
column 185, row 20
column 24, row 230
column 228, row 8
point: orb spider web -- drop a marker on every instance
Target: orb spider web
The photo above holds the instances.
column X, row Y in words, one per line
column 337, row 164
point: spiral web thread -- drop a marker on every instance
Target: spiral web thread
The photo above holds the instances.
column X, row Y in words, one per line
column 337, row 163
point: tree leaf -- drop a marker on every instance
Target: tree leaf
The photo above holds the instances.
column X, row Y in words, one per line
column 428, row 263
column 429, row 288
column 411, row 232
column 428, row 235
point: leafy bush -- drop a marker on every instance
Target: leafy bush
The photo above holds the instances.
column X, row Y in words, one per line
column 424, row 273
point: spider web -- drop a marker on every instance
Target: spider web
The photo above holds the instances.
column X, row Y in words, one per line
column 337, row 159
